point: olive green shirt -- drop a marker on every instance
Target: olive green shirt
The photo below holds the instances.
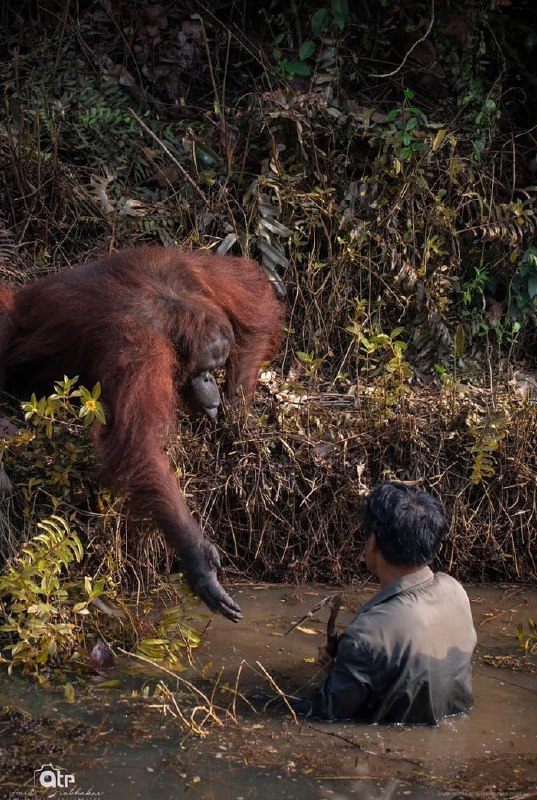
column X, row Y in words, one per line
column 406, row 657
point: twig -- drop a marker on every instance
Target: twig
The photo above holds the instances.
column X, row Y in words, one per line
column 336, row 736
column 501, row 613
column 217, row 105
column 170, row 155
column 278, row 690
column 403, row 62
column 330, row 600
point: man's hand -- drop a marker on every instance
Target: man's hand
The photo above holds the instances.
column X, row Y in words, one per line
column 323, row 656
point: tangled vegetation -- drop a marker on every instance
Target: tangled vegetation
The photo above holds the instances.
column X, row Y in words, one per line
column 53, row 612
column 381, row 164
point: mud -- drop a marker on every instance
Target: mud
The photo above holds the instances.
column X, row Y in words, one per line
column 493, row 750
column 123, row 743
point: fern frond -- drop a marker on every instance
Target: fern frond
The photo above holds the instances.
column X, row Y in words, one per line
column 487, row 434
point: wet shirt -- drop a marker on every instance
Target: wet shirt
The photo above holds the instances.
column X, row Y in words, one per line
column 406, row 657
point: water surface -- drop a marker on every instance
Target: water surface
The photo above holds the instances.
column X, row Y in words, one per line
column 119, row 744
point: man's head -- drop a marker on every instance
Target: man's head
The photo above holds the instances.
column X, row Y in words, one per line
column 404, row 525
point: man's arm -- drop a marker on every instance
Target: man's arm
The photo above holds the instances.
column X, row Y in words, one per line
column 347, row 688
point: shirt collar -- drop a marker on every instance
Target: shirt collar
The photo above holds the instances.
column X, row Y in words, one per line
column 410, row 581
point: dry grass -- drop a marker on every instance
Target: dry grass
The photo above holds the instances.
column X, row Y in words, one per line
column 284, row 499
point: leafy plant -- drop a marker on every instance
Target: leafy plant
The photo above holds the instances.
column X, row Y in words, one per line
column 43, row 607
column 51, row 455
column 58, row 405
column 473, row 291
column 407, row 119
column 174, row 632
column 522, row 299
column 310, row 362
column 381, row 356
column 487, row 433
column 334, row 16
column 40, row 604
column 485, row 120
column 523, row 288
column 102, row 119
column 474, row 299
column 287, row 68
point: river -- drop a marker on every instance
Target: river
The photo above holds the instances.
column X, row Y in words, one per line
column 125, row 742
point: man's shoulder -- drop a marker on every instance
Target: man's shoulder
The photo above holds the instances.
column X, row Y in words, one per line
column 406, row 604
column 449, row 584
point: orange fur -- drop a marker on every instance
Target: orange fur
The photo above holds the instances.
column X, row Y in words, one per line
column 135, row 321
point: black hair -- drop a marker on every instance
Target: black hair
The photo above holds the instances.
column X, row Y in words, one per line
column 408, row 524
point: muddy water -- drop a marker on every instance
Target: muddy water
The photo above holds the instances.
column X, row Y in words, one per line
column 497, row 743
column 130, row 747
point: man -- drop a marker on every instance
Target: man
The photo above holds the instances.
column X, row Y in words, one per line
column 406, row 657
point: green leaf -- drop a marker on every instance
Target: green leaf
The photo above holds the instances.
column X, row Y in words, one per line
column 340, row 11
column 532, row 286
column 296, row 68
column 69, row 692
column 319, row 21
column 99, row 415
column 306, row 50
column 530, row 255
column 381, row 338
column 153, row 642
